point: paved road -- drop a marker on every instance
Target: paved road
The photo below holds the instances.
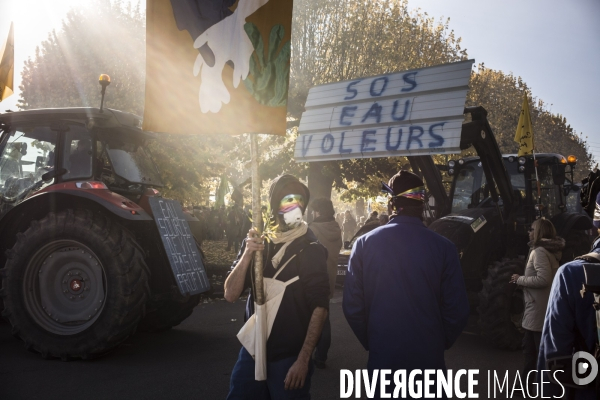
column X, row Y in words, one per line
column 194, row 361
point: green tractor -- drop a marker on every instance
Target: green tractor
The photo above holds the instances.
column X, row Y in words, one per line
column 493, row 200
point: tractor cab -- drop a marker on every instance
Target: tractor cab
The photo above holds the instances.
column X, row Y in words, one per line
column 40, row 148
column 556, row 200
column 493, row 200
column 470, row 188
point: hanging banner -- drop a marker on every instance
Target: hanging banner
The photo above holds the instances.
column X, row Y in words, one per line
column 7, row 65
column 217, row 66
column 406, row 113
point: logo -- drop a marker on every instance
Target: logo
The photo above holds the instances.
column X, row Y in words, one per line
column 584, row 368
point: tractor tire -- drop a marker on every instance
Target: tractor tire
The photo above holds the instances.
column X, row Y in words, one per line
column 501, row 306
column 75, row 285
column 168, row 313
column 577, row 243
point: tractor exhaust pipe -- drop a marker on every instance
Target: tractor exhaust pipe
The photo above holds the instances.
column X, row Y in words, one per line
column 104, row 81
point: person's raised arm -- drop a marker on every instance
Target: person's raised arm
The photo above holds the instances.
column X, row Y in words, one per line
column 234, row 284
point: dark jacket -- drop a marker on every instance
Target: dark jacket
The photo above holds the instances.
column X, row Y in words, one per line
column 404, row 295
column 300, row 298
column 568, row 312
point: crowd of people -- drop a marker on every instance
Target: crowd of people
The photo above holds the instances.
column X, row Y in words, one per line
column 398, row 271
column 301, row 261
column 350, row 227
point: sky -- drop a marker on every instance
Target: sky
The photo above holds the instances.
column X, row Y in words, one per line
column 554, row 45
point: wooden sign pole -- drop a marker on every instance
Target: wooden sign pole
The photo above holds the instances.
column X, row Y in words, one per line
column 259, row 295
column 260, row 329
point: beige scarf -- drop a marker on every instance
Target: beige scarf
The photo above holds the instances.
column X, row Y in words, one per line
column 287, row 238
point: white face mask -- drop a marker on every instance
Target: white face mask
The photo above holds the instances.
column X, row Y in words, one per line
column 293, row 218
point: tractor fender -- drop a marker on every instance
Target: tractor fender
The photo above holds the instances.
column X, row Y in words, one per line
column 36, row 207
column 565, row 222
column 472, row 231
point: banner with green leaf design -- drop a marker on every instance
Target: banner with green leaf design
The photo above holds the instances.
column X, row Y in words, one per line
column 217, row 66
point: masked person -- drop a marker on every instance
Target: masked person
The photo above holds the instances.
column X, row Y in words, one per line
column 404, row 293
column 294, row 258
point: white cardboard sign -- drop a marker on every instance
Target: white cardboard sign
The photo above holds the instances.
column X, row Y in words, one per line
column 413, row 112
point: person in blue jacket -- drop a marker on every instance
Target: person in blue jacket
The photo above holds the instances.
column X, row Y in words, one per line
column 404, row 293
column 569, row 325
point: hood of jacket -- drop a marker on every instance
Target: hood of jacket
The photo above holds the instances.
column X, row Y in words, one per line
column 554, row 246
column 284, row 185
column 330, row 230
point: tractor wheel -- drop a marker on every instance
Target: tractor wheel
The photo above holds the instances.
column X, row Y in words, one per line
column 168, row 313
column 501, row 305
column 577, row 243
column 75, row 285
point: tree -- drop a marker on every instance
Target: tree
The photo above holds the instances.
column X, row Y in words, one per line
column 106, row 38
column 347, row 39
column 336, row 40
column 111, row 38
column 502, row 96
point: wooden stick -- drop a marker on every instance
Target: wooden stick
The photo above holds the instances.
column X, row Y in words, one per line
column 259, row 295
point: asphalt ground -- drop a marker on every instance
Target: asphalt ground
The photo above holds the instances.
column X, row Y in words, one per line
column 194, row 361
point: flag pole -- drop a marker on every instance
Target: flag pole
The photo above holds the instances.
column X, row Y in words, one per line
column 537, row 181
column 256, row 220
column 260, row 327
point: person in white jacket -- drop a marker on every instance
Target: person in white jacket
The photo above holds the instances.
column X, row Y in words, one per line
column 542, row 264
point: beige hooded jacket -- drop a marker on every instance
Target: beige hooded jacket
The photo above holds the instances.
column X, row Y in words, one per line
column 329, row 235
column 541, row 267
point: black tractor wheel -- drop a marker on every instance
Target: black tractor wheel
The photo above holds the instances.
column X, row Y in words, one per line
column 165, row 314
column 75, row 285
column 501, row 305
column 577, row 243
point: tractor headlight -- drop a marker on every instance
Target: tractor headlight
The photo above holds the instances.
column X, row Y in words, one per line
column 451, row 163
column 461, row 161
column 522, row 160
column 521, row 168
column 451, row 171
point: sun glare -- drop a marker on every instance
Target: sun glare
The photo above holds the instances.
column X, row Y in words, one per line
column 33, row 21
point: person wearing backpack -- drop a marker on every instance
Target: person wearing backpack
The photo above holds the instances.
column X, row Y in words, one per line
column 569, row 327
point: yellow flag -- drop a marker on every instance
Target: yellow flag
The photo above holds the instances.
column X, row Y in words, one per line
column 524, row 135
column 217, row 66
column 7, row 66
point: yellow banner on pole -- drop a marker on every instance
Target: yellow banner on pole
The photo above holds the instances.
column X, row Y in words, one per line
column 217, row 66
column 7, row 66
column 524, row 134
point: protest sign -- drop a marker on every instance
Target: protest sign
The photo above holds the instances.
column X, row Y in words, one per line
column 406, row 113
